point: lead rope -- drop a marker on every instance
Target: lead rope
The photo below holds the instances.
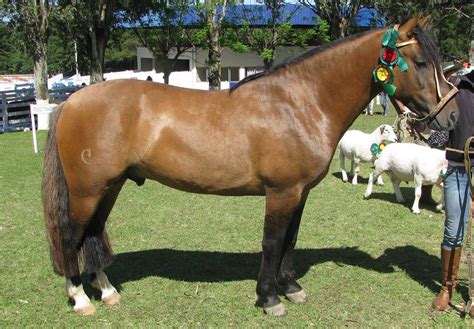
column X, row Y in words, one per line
column 467, row 164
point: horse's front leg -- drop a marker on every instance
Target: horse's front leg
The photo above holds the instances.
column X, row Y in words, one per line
column 286, row 275
column 280, row 209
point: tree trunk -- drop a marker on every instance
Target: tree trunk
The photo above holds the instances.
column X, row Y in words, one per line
column 97, row 74
column 214, row 66
column 214, row 58
column 41, row 72
column 40, row 50
column 166, row 75
column 99, row 29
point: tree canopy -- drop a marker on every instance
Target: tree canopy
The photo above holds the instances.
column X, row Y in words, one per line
column 92, row 25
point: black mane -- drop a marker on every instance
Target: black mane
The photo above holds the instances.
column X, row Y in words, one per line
column 424, row 40
column 428, row 46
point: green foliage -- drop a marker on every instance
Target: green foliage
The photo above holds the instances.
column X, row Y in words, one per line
column 69, row 22
column 267, row 54
column 277, row 33
column 60, row 53
column 450, row 22
column 338, row 14
column 122, row 51
column 172, row 33
column 14, row 58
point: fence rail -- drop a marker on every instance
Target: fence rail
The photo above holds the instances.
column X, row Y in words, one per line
column 15, row 106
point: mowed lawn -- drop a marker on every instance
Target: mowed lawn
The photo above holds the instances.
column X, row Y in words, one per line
column 187, row 260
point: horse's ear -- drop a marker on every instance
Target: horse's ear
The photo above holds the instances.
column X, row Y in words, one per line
column 407, row 30
column 424, row 21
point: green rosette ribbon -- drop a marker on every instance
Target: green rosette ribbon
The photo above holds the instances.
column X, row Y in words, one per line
column 389, row 57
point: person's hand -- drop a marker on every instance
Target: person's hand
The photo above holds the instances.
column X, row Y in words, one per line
column 415, row 127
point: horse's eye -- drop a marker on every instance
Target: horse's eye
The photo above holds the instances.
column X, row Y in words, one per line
column 421, row 63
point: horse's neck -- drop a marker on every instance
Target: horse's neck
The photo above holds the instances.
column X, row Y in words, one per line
column 339, row 79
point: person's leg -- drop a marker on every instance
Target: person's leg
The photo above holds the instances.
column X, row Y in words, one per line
column 457, row 203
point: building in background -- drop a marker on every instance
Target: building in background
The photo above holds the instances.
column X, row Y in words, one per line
column 191, row 70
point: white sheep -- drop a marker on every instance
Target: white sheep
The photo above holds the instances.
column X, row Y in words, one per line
column 410, row 162
column 356, row 146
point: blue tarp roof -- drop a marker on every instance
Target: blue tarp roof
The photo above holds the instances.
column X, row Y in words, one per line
column 260, row 15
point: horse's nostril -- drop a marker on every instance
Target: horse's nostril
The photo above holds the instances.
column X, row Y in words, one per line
column 453, row 116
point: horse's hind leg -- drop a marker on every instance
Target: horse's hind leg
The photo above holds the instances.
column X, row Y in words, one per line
column 109, row 294
column 81, row 209
column 280, row 209
column 96, row 250
column 286, row 276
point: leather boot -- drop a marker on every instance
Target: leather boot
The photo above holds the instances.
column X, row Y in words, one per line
column 450, row 265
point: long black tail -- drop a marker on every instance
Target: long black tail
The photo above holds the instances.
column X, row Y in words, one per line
column 56, row 207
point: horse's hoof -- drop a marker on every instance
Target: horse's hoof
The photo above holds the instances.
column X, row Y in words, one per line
column 87, row 310
column 276, row 310
column 113, row 299
column 298, row 297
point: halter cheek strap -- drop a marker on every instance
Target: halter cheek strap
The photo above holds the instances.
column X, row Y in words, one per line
column 442, row 100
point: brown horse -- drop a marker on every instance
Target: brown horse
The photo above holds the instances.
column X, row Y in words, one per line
column 273, row 135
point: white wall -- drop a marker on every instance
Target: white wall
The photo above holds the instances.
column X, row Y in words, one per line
column 229, row 58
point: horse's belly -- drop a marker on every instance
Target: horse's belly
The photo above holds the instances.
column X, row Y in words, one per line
column 206, row 183
column 221, row 173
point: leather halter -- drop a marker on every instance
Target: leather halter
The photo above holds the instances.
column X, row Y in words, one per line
column 443, row 100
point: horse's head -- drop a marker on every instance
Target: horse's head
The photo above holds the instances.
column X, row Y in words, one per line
column 423, row 87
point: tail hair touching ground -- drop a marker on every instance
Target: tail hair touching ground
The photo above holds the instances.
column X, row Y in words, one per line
column 56, row 206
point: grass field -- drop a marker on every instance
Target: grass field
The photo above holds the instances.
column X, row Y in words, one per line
column 185, row 260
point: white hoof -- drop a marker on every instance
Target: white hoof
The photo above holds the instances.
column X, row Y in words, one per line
column 276, row 310
column 367, row 195
column 439, row 207
column 416, row 211
column 299, row 297
column 86, row 310
column 113, row 299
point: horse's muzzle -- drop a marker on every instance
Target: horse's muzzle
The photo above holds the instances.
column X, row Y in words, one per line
column 447, row 124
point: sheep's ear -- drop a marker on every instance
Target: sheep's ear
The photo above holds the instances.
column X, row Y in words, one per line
column 382, row 128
